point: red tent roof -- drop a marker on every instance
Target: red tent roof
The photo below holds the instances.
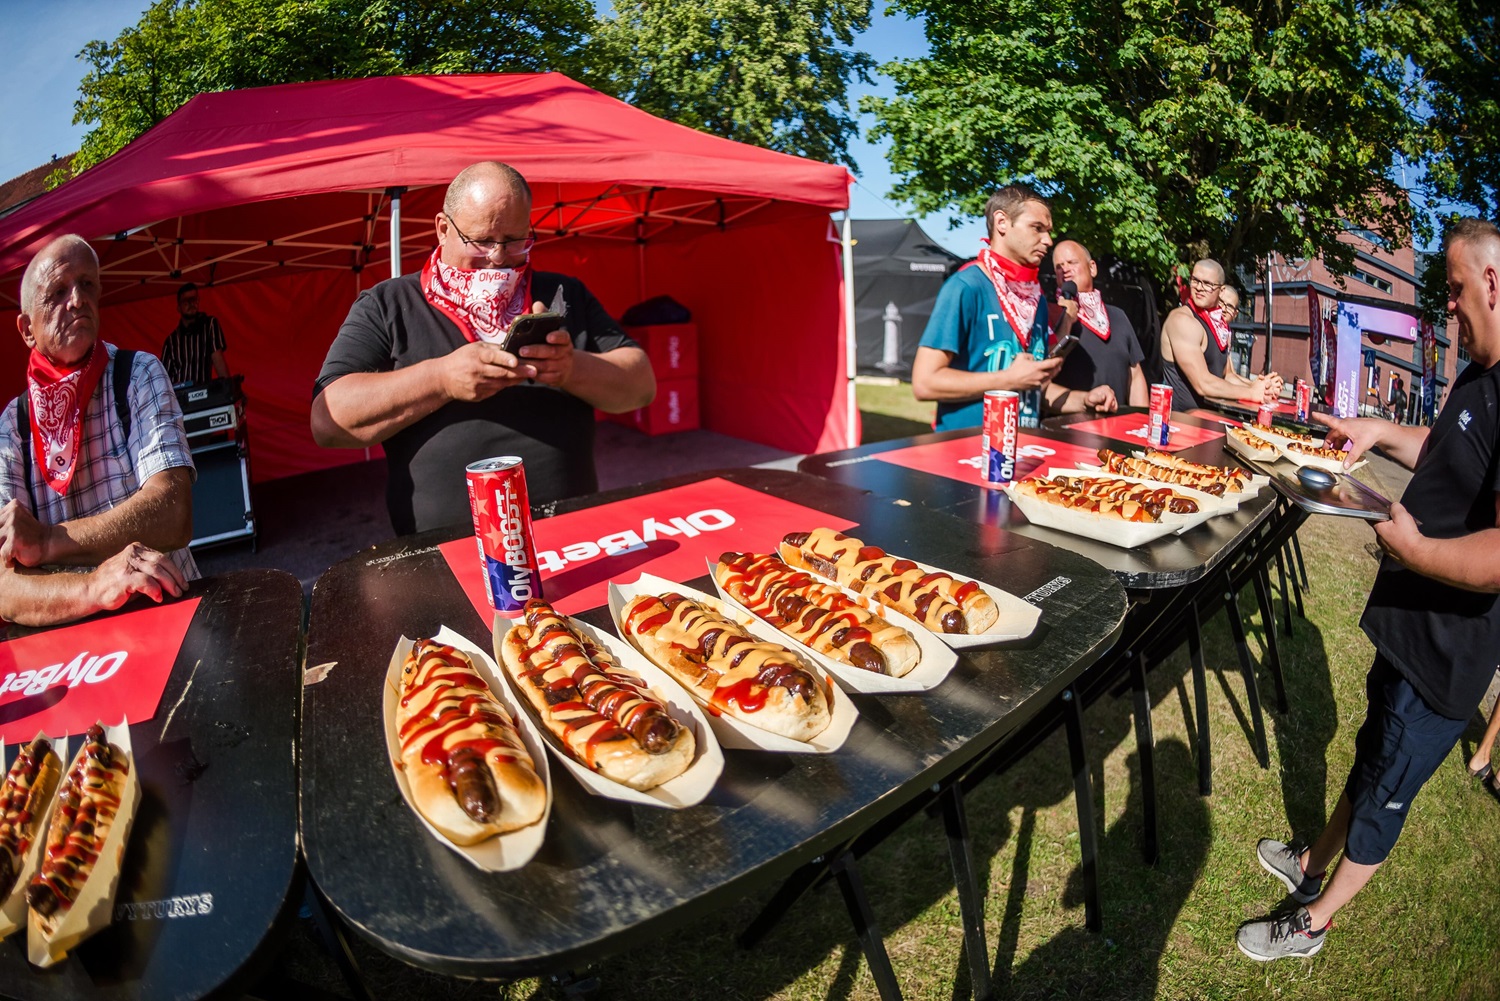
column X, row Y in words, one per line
column 238, row 147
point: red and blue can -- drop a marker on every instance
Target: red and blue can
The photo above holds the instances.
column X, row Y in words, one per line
column 1161, row 415
column 1002, row 423
column 502, row 528
column 1264, row 415
column 1304, row 400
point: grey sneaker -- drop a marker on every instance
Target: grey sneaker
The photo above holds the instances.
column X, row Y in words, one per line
column 1285, row 863
column 1280, row 935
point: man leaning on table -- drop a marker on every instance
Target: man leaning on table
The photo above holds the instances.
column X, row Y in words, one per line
column 1108, row 351
column 418, row 367
column 1195, row 347
column 988, row 329
column 1433, row 613
column 79, row 489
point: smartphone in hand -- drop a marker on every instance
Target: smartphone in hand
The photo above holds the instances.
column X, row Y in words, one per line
column 1064, row 344
column 530, row 328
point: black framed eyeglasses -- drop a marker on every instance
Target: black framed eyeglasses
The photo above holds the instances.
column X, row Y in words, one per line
column 1195, row 281
column 486, row 248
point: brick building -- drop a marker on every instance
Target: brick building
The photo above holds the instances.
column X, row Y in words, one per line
column 1383, row 276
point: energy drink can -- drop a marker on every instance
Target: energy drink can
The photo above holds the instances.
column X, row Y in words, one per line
column 1002, row 421
column 1304, row 400
column 502, row 529
column 1160, row 433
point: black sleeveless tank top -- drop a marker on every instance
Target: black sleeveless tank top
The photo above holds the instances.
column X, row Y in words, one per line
column 1183, row 397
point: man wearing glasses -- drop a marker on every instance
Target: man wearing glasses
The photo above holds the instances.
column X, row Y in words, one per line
column 417, row 366
column 1195, row 347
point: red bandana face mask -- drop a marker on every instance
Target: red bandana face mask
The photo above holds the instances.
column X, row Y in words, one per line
column 59, row 396
column 1215, row 320
column 1018, row 291
column 482, row 302
column 1092, row 314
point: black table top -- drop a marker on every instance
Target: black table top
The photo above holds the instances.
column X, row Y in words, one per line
column 1169, row 562
column 213, row 849
column 610, row 875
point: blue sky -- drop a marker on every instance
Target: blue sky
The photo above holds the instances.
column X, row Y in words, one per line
column 40, row 71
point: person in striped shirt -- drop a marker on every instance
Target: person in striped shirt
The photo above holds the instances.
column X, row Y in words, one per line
column 194, row 351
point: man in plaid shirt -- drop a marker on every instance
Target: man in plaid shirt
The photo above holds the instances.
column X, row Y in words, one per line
column 76, row 489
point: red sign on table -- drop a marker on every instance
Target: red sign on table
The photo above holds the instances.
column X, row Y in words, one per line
column 668, row 534
column 1211, row 415
column 65, row 680
column 1128, row 427
column 959, row 459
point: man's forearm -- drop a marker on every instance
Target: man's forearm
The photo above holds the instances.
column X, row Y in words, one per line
column 1402, row 443
column 1062, row 400
column 36, row 598
column 615, row 382
column 1140, row 393
column 158, row 515
column 365, row 408
column 1470, row 562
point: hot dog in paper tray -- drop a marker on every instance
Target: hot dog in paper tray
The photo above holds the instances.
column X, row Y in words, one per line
column 758, row 693
column 1110, row 509
column 622, row 726
column 962, row 612
column 1303, row 449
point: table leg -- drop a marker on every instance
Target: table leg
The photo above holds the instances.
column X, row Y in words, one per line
column 1083, row 798
column 1262, row 583
column 846, row 871
column 970, row 894
column 332, row 934
column 791, row 891
column 1286, row 594
column 1200, row 694
column 1291, row 562
column 1301, row 564
column 1247, row 670
column 1145, row 749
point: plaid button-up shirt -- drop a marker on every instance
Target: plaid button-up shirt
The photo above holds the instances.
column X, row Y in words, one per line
column 110, row 468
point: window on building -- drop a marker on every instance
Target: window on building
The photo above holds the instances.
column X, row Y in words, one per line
column 1463, row 357
column 1370, row 235
column 1373, row 281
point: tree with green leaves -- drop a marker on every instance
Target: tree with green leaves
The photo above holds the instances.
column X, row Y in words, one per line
column 1164, row 130
column 1459, row 60
column 180, row 48
column 774, row 73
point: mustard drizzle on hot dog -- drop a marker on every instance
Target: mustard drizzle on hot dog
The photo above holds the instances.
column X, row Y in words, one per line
column 19, row 809
column 86, row 808
column 586, row 691
column 933, row 598
column 1125, row 465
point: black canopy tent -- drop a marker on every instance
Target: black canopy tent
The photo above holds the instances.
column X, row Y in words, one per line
column 898, row 270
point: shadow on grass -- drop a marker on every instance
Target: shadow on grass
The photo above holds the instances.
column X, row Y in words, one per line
column 884, row 427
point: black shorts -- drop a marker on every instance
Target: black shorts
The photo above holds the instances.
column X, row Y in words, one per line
column 1402, row 742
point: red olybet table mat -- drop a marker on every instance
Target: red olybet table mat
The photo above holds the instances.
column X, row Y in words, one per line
column 959, row 458
column 1213, row 415
column 1127, row 427
column 669, row 534
column 65, row 680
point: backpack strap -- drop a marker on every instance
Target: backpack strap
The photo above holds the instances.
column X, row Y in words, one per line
column 124, row 362
column 23, row 436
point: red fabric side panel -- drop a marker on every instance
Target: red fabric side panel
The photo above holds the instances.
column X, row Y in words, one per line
column 277, row 332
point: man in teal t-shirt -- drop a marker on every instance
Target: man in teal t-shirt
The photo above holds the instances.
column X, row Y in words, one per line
column 989, row 327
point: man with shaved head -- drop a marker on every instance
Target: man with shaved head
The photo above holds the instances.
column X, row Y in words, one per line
column 95, row 470
column 1108, row 355
column 1195, row 348
column 1433, row 613
column 418, row 367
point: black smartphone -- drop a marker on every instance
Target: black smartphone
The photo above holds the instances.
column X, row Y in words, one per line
column 531, row 328
column 1064, row 344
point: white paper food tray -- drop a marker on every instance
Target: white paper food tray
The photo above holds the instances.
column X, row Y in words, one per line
column 687, row 789
column 732, row 732
column 13, row 910
column 1335, row 466
column 502, row 852
column 1115, row 532
column 936, row 663
column 1254, row 454
column 1209, row 506
column 1254, row 482
column 94, row 907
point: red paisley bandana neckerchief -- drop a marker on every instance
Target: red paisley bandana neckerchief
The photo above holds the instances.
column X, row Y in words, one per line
column 482, row 302
column 1214, row 318
column 59, row 396
column 1017, row 289
column 1092, row 314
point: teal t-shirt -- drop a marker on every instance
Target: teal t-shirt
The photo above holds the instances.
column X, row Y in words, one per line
column 968, row 323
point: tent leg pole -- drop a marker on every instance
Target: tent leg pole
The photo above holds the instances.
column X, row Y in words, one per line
column 395, row 194
column 852, row 416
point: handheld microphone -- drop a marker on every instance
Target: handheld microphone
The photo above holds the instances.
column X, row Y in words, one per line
column 1069, row 290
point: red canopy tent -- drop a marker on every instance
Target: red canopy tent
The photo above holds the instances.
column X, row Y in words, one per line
column 288, row 200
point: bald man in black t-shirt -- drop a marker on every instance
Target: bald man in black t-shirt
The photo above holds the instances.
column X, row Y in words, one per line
column 1433, row 613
